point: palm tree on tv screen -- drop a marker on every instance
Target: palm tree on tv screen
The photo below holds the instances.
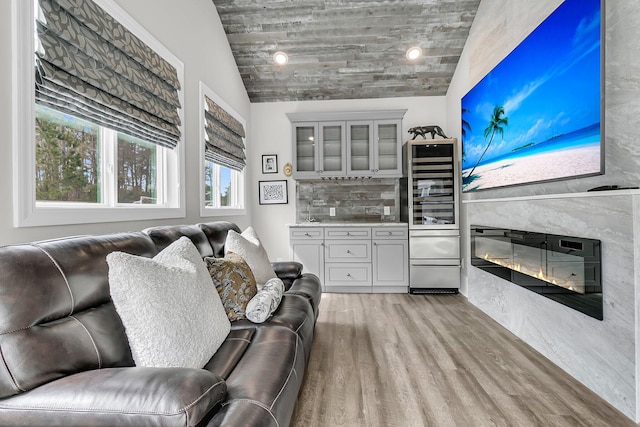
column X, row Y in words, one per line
column 466, row 126
column 496, row 125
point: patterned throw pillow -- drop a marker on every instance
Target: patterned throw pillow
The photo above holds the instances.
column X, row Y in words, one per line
column 234, row 281
column 266, row 301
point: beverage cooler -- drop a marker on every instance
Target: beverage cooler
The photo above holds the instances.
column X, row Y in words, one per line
column 432, row 211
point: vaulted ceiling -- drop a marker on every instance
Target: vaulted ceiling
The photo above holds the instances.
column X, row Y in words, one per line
column 345, row 49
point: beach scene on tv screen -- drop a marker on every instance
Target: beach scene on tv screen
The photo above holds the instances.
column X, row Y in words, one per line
column 536, row 115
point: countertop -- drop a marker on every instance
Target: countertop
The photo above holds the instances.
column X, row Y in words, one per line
column 349, row 224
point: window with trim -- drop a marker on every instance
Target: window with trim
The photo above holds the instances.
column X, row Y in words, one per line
column 222, row 135
column 100, row 137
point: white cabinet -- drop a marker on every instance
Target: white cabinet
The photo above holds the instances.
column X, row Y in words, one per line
column 347, row 144
column 354, row 258
column 307, row 247
column 390, row 259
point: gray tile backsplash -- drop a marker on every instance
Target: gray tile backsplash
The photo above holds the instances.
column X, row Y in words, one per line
column 354, row 200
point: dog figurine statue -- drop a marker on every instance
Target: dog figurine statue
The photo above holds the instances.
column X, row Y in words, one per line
column 424, row 130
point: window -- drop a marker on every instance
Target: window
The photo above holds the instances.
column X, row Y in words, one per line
column 223, row 158
column 223, row 187
column 86, row 152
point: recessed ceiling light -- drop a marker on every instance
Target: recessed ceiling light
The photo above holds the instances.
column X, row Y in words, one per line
column 280, row 58
column 414, row 53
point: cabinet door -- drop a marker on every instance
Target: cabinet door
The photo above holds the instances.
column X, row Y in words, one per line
column 305, row 150
column 359, row 155
column 332, row 149
column 310, row 254
column 387, row 149
column 390, row 263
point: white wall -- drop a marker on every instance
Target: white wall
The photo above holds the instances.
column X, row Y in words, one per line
column 603, row 355
column 271, row 132
column 192, row 31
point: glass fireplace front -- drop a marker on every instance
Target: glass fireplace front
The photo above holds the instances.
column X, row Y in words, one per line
column 563, row 268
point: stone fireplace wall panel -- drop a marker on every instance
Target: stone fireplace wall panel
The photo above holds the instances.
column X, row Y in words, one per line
column 600, row 354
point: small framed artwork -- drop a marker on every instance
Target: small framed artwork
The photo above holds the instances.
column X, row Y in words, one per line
column 273, row 192
column 269, row 163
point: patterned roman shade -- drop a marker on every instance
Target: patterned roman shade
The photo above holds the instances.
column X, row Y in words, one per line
column 90, row 66
column 224, row 135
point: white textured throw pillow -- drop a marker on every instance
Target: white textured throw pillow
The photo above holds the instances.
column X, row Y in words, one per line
column 169, row 306
column 266, row 301
column 248, row 246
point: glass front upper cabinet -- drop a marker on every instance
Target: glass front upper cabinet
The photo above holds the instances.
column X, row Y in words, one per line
column 356, row 144
column 387, row 149
column 360, row 136
column 332, row 149
column 305, row 136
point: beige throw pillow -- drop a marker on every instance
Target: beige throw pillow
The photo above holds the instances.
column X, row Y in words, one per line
column 248, row 246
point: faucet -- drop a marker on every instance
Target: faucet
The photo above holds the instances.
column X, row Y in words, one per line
column 309, row 219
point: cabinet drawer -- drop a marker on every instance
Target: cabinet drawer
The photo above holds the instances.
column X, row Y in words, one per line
column 306, row 233
column 347, row 233
column 434, row 247
column 348, row 251
column 434, row 276
column 398, row 233
column 347, row 275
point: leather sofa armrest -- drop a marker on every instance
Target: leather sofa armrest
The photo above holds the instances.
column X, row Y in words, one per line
column 287, row 270
column 130, row 396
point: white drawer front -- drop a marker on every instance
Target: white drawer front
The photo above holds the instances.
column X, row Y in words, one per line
column 433, row 276
column 307, row 233
column 347, row 233
column 390, row 233
column 348, row 251
column 348, row 275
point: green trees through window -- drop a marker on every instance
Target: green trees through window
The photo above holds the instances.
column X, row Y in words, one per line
column 69, row 162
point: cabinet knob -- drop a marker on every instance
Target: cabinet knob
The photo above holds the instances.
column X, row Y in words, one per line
column 306, row 234
column 375, row 244
column 348, row 234
column 348, row 274
column 390, row 233
column 348, row 251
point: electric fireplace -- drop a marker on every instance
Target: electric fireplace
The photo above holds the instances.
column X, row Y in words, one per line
column 563, row 268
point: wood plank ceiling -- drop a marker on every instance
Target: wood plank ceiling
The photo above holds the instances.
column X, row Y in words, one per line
column 345, row 49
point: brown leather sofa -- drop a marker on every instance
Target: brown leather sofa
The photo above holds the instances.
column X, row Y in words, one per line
column 65, row 359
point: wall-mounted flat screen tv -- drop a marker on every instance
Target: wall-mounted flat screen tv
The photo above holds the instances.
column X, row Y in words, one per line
column 537, row 116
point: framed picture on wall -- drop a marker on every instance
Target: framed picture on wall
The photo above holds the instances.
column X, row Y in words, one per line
column 273, row 192
column 269, row 163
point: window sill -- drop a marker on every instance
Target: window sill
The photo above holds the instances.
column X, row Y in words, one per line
column 46, row 216
column 213, row 212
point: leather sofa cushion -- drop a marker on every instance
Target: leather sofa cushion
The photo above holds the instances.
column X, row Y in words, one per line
column 308, row 286
column 165, row 235
column 56, row 315
column 119, row 397
column 263, row 387
column 216, row 232
column 295, row 314
column 230, row 352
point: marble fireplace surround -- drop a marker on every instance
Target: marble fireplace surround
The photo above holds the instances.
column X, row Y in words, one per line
column 603, row 355
column 565, row 269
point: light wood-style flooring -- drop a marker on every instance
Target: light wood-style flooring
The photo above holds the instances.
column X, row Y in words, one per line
column 433, row 360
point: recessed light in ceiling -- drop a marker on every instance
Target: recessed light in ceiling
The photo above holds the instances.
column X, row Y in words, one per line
column 414, row 53
column 280, row 58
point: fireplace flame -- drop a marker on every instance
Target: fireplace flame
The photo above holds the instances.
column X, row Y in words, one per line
column 567, row 284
